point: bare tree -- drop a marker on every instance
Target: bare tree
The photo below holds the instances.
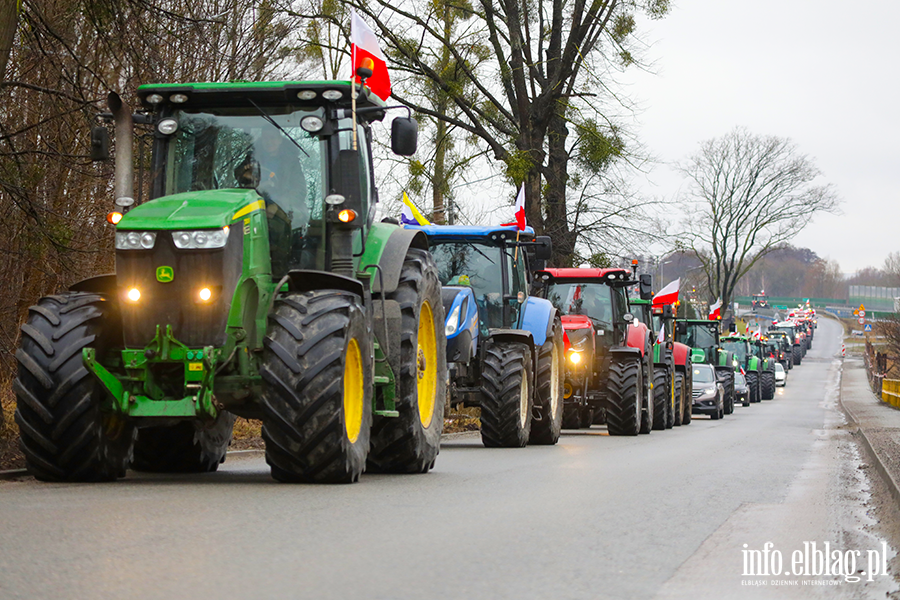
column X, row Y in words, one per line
column 749, row 194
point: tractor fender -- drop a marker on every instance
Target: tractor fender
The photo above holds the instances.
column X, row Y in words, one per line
column 622, row 353
column 537, row 317
column 99, row 284
column 386, row 246
column 301, row 280
column 681, row 353
column 636, row 337
column 753, row 363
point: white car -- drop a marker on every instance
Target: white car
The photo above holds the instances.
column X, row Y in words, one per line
column 780, row 375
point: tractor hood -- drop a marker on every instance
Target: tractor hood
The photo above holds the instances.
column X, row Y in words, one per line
column 576, row 322
column 207, row 209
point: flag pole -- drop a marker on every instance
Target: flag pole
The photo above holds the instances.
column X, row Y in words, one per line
column 516, row 257
column 353, row 92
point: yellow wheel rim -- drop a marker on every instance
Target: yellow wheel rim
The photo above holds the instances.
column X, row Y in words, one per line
column 353, row 391
column 426, row 365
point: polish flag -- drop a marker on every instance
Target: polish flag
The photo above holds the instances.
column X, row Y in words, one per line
column 364, row 45
column 715, row 311
column 661, row 338
column 520, row 209
column 667, row 295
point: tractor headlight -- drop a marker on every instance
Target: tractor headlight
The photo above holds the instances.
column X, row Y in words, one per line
column 575, row 357
column 135, row 240
column 452, row 322
column 202, row 239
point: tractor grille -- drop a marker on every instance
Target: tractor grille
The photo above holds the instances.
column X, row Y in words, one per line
column 195, row 324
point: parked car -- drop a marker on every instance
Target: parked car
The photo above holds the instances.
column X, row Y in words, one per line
column 709, row 394
column 741, row 390
column 780, row 375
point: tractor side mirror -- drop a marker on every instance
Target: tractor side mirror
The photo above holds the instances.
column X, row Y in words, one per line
column 99, row 143
column 544, row 247
column 732, row 328
column 404, row 136
column 680, row 328
column 628, row 317
column 667, row 311
column 645, row 283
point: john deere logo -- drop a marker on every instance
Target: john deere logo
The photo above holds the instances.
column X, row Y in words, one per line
column 165, row 274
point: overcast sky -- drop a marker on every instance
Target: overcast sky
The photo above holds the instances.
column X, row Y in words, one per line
column 823, row 73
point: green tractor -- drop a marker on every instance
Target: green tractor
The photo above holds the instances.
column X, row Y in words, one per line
column 254, row 282
column 702, row 336
column 748, row 355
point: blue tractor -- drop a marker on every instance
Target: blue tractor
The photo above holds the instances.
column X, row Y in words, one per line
column 504, row 348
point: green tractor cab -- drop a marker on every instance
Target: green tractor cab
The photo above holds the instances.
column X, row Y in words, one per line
column 702, row 336
column 254, row 282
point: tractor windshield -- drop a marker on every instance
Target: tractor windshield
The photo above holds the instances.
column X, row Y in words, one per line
column 477, row 266
column 241, row 148
column 699, row 336
column 590, row 299
column 739, row 347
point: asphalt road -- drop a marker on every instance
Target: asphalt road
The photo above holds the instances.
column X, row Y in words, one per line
column 664, row 515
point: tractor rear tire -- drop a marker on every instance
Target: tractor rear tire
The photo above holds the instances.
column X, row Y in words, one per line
column 317, row 387
column 64, row 435
column 571, row 416
column 624, row 397
column 548, row 398
column 507, row 397
column 687, row 398
column 768, row 385
column 411, row 442
column 587, row 417
column 798, row 355
column 661, row 400
column 677, row 401
column 186, row 447
column 647, row 411
column 752, row 378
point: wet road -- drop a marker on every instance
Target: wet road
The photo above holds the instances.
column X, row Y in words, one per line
column 594, row 517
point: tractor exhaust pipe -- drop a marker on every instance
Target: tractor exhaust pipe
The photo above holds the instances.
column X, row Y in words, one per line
column 124, row 177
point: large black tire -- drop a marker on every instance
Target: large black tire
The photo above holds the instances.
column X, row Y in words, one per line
column 411, row 442
column 186, row 447
column 317, row 387
column 678, row 410
column 798, row 355
column 661, row 400
column 571, row 416
column 682, row 390
column 752, row 378
column 768, row 385
column 506, row 395
column 648, row 399
column 624, row 397
column 548, row 397
column 587, row 417
column 63, row 433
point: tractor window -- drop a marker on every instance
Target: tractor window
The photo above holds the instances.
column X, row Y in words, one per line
column 739, row 347
column 476, row 266
column 621, row 304
column 590, row 299
column 239, row 148
column 699, row 336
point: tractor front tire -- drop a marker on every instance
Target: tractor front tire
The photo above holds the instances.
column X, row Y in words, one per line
column 186, row 447
column 571, row 416
column 624, row 397
column 548, row 396
column 317, row 387
column 798, row 355
column 507, row 397
column 410, row 442
column 752, row 378
column 64, row 435
column 587, row 417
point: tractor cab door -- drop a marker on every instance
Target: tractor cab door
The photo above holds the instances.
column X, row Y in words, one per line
column 516, row 285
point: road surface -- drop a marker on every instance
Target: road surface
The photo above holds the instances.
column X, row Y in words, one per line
column 665, row 515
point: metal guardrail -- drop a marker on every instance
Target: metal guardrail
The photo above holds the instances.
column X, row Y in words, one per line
column 890, row 391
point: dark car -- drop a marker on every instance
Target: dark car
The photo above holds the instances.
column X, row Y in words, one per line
column 741, row 390
column 709, row 395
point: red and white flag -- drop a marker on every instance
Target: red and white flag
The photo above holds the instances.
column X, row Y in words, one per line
column 520, row 209
column 364, row 45
column 715, row 311
column 667, row 295
column 661, row 338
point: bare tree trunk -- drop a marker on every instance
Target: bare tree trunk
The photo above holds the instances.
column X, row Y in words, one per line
column 9, row 17
column 557, row 177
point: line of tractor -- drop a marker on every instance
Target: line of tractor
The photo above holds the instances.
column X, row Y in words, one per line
column 256, row 282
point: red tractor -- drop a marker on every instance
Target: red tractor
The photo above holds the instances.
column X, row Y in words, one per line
column 609, row 362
